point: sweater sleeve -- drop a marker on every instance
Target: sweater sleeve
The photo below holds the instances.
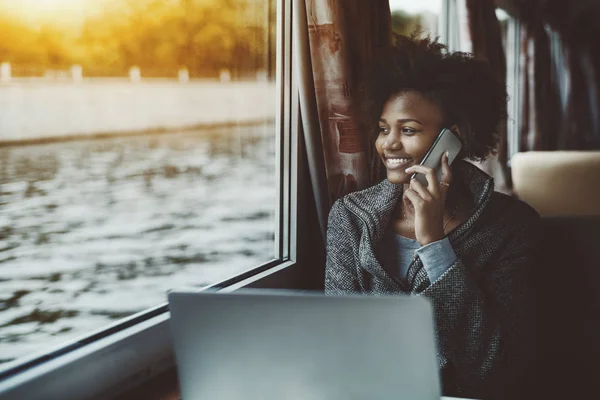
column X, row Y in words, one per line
column 437, row 257
column 484, row 325
column 339, row 277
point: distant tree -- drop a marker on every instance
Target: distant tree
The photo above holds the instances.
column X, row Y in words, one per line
column 54, row 44
column 16, row 41
column 156, row 35
column 404, row 23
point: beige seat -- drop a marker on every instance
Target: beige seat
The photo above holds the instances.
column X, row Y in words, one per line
column 557, row 183
column 564, row 187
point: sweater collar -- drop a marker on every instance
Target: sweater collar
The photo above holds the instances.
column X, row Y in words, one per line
column 375, row 206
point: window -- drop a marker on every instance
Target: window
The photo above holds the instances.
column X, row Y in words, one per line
column 139, row 154
column 409, row 16
column 455, row 26
column 511, row 41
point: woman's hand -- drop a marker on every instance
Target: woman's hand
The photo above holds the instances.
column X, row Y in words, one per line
column 428, row 202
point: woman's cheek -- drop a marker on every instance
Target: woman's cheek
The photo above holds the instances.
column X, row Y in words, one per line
column 379, row 144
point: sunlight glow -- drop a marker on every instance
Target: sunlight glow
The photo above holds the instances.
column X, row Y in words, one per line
column 49, row 4
column 57, row 10
column 415, row 7
column 58, row 5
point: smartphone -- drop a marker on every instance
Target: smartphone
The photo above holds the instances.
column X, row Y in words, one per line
column 446, row 141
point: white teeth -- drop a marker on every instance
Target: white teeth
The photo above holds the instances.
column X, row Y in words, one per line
column 398, row 160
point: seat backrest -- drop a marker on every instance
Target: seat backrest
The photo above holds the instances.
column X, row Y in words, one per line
column 567, row 286
column 558, row 182
column 564, row 187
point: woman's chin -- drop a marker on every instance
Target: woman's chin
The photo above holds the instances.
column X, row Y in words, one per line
column 397, row 177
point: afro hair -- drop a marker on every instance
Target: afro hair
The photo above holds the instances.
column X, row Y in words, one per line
column 465, row 89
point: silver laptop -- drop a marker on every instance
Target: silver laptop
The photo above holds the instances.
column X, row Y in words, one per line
column 288, row 346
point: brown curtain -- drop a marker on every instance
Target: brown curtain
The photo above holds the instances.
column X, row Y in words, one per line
column 546, row 123
column 543, row 115
column 577, row 25
column 343, row 35
column 486, row 39
column 579, row 124
column 592, row 73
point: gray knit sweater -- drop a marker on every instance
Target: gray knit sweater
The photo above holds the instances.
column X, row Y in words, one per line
column 481, row 303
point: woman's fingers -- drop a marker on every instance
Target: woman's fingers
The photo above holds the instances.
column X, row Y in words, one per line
column 429, row 201
column 414, row 198
column 421, row 190
column 430, row 175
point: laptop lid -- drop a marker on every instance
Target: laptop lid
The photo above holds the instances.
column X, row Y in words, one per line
column 258, row 345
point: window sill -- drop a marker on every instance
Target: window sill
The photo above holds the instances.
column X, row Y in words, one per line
column 125, row 354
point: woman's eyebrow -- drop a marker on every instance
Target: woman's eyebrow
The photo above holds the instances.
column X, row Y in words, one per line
column 409, row 120
column 403, row 120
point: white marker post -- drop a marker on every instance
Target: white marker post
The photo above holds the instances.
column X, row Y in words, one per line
column 76, row 73
column 5, row 72
column 225, row 75
column 184, row 75
column 135, row 74
column 262, row 76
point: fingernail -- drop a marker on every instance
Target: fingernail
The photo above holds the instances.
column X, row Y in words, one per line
column 447, row 154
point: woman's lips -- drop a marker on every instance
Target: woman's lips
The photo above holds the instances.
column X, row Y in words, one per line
column 397, row 162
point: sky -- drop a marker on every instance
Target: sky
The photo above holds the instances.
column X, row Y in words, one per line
column 46, row 6
column 49, row 10
column 415, row 6
column 75, row 10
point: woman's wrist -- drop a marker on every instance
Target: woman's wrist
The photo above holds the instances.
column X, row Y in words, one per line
column 431, row 237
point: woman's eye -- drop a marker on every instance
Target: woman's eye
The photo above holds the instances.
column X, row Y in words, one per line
column 383, row 129
column 408, row 130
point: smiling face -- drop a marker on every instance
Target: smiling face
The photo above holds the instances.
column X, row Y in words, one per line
column 408, row 127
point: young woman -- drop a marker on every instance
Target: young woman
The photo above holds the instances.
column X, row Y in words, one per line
column 456, row 240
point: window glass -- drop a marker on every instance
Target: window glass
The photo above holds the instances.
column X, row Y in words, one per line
column 504, row 19
column 511, row 43
column 137, row 155
column 409, row 16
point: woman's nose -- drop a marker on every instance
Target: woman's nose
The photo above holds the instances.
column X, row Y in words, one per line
column 392, row 141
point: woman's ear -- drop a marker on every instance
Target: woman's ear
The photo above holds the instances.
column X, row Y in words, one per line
column 454, row 128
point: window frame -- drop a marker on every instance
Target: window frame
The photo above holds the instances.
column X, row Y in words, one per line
column 134, row 349
column 513, row 73
column 445, row 27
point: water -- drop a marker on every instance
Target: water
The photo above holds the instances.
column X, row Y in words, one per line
column 94, row 230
